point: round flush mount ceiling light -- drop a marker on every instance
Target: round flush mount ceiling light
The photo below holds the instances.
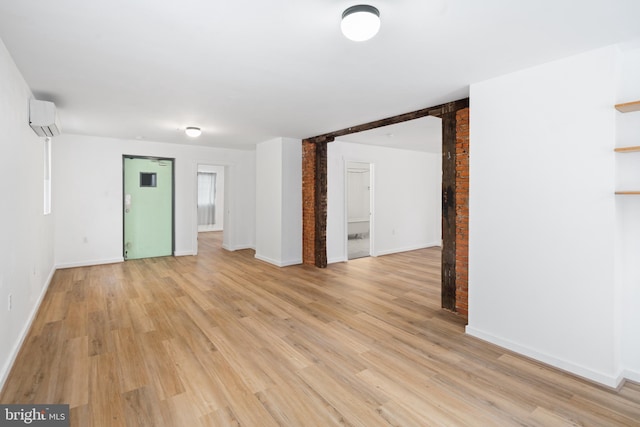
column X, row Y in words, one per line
column 360, row 23
column 193, row 131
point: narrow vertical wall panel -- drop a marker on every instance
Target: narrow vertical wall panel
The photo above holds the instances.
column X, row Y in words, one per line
column 279, row 201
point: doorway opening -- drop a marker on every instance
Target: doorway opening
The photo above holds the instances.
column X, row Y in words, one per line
column 210, row 202
column 359, row 209
column 211, row 184
column 454, row 195
column 401, row 166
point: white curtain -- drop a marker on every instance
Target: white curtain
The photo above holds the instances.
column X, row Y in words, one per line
column 206, row 198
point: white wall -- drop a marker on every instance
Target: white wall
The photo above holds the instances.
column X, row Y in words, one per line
column 219, row 197
column 628, row 209
column 292, row 201
column 87, row 195
column 26, row 245
column 279, row 201
column 269, row 201
column 406, row 198
column 543, row 213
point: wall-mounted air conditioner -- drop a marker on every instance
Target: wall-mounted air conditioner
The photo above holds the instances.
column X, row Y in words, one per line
column 43, row 118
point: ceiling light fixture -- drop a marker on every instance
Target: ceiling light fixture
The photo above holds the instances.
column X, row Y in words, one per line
column 193, row 132
column 360, row 23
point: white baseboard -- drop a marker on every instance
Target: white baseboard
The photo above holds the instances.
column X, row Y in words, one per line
column 25, row 330
column 237, row 247
column 279, row 263
column 296, row 261
column 89, row 263
column 184, row 253
column 631, row 376
column 611, row 381
column 408, row 248
column 387, row 252
column 209, row 229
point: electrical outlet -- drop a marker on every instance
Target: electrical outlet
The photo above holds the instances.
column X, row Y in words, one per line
column 10, row 302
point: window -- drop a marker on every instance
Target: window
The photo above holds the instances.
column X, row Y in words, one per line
column 148, row 179
column 47, row 176
column 206, row 199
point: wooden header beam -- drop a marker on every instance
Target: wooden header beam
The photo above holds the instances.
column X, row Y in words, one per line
column 436, row 111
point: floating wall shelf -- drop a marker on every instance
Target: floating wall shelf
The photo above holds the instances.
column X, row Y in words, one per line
column 628, row 107
column 627, row 149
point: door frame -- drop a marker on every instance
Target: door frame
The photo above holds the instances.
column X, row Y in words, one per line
column 173, row 197
column 225, row 202
column 372, row 252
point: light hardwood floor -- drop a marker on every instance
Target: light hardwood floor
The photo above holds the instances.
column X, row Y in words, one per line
column 223, row 339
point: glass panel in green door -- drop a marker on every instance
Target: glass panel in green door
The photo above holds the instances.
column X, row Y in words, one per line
column 148, row 208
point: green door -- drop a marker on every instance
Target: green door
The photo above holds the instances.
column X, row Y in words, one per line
column 148, row 207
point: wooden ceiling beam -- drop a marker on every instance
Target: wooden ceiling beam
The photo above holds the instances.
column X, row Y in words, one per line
column 436, row 111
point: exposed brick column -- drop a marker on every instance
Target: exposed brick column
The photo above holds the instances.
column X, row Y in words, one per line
column 448, row 294
column 314, row 203
column 321, row 204
column 308, row 202
column 455, row 210
column 462, row 211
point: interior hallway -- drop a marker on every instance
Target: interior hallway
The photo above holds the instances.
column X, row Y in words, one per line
column 223, row 339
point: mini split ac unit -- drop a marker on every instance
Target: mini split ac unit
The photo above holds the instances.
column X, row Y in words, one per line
column 43, row 118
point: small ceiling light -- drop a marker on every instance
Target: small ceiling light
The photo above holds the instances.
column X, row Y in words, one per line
column 360, row 23
column 193, row 132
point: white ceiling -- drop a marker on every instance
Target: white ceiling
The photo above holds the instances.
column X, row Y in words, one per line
column 424, row 134
column 250, row 70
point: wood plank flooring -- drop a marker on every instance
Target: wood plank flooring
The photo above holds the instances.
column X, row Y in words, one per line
column 222, row 339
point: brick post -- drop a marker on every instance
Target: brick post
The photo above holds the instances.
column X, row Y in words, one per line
column 462, row 211
column 308, row 202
